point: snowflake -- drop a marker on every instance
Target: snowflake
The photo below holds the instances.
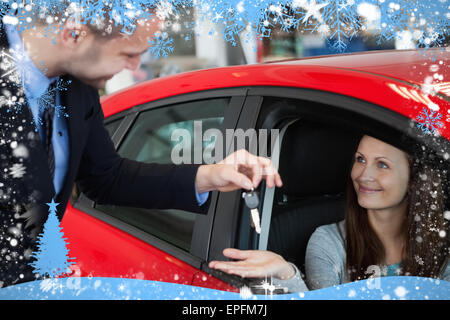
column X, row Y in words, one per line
column 13, row 73
column 46, row 100
column 429, row 121
column 230, row 31
column 285, row 16
column 245, row 292
column 17, row 209
column 25, row 19
column 313, row 10
column 17, row 170
column 48, row 284
column 430, row 38
column 164, row 9
column 12, row 67
column 10, row 101
column 121, row 13
column 339, row 19
column 394, row 18
column 266, row 285
column 427, row 21
column 352, row 293
column 161, row 45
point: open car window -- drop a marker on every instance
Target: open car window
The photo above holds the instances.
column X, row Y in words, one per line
column 315, row 158
column 150, row 139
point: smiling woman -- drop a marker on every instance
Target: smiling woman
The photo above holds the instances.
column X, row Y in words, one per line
column 396, row 213
column 379, row 180
column 380, row 175
column 394, row 225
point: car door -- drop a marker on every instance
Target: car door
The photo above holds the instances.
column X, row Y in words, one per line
column 164, row 245
column 318, row 134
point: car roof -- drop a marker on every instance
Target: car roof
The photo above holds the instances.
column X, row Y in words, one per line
column 411, row 66
column 395, row 79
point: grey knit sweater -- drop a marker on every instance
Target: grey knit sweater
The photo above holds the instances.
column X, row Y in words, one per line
column 325, row 262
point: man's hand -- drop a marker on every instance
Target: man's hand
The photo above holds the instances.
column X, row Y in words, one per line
column 239, row 170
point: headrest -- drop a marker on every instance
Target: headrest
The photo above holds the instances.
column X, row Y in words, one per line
column 316, row 159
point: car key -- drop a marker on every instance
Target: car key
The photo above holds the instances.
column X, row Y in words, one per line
column 252, row 202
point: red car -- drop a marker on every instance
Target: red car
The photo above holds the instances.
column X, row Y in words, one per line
column 320, row 106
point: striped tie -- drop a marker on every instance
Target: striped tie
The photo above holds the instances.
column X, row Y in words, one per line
column 47, row 117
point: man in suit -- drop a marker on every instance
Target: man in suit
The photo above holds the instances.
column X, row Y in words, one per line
column 43, row 154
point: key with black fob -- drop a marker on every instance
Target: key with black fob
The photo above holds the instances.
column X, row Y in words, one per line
column 252, row 202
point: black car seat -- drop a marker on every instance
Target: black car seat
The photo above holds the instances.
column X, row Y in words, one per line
column 315, row 163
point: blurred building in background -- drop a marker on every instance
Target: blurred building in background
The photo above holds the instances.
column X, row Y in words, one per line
column 199, row 45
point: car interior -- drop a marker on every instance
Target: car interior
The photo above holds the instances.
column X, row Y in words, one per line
column 315, row 163
column 315, row 160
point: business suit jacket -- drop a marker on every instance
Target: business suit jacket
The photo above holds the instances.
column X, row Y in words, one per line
column 94, row 164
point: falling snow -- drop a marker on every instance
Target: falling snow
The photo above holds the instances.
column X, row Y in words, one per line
column 447, row 215
column 17, row 170
column 245, row 292
column 20, row 151
column 336, row 20
column 339, row 21
column 401, row 292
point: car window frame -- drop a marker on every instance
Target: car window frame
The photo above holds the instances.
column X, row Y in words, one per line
column 221, row 225
column 226, row 221
column 197, row 254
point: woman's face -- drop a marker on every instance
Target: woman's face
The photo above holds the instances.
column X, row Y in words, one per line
column 380, row 174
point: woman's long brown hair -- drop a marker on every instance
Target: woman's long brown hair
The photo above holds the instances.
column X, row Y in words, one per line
column 426, row 231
